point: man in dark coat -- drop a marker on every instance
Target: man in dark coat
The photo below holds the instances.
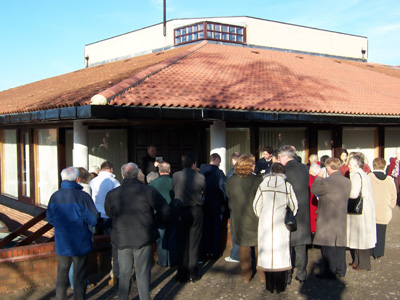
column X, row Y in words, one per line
column 214, row 203
column 148, row 163
column 189, row 187
column 72, row 213
column 132, row 208
column 297, row 175
column 333, row 193
column 263, row 165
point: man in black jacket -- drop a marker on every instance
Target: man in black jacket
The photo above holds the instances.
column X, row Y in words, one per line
column 297, row 175
column 132, row 207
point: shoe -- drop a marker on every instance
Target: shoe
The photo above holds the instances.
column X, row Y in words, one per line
column 326, row 276
column 113, row 282
column 229, row 259
column 300, row 280
column 352, row 265
column 194, row 279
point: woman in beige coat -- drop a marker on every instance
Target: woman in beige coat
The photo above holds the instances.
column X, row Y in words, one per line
column 273, row 196
column 361, row 229
column 385, row 196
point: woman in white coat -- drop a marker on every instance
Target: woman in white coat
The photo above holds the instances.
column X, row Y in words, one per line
column 361, row 229
column 273, row 196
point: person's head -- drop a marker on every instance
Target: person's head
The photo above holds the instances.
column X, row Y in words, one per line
column 267, row 153
column 379, row 163
column 83, row 176
column 188, row 160
column 332, row 165
column 245, row 165
column 151, row 176
column 69, row 174
column 286, row 153
column 314, row 169
column 129, row 170
column 107, row 167
column 164, row 168
column 277, row 168
column 355, row 163
column 234, row 157
column 313, row 159
column 215, row 159
column 275, row 156
column 152, row 151
column 342, row 155
column 323, row 160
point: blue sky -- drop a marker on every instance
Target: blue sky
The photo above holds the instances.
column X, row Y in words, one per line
column 43, row 38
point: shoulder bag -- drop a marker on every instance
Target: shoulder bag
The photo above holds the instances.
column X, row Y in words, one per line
column 355, row 205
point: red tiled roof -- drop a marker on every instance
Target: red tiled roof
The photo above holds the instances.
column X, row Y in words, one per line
column 231, row 77
column 76, row 88
column 221, row 76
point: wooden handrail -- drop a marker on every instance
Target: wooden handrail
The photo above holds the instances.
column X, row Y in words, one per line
column 22, row 229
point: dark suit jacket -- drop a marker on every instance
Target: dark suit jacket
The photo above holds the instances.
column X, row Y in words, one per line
column 297, row 175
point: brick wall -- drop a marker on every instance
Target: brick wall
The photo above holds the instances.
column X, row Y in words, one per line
column 28, row 266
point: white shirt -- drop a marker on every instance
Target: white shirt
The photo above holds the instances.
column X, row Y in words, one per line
column 101, row 185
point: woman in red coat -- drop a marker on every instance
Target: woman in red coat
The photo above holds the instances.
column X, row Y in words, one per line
column 314, row 170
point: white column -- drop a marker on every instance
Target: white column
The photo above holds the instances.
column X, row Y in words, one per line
column 218, row 141
column 80, row 154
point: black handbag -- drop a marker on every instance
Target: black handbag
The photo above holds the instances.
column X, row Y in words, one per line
column 290, row 220
column 355, row 205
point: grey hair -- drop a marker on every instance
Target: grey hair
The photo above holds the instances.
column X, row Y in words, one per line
column 315, row 168
column 69, row 174
column 151, row 176
column 288, row 151
column 356, row 161
column 130, row 170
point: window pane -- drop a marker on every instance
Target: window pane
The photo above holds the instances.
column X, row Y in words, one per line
column 240, row 30
column 177, row 32
column 108, row 145
column 225, row 36
column 218, row 35
column 10, row 167
column 217, row 27
column 48, row 164
column 201, row 35
column 189, row 30
column 189, row 37
column 225, row 28
column 195, row 28
column 232, row 29
column 240, row 38
column 201, row 26
column 183, row 31
column 210, row 34
column 195, row 36
column 210, row 26
column 183, row 38
column 232, row 37
column 177, row 40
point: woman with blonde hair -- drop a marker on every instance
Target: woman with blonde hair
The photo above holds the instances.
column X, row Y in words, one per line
column 241, row 189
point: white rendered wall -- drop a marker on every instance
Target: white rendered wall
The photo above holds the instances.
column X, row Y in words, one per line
column 259, row 32
column 218, row 142
column 360, row 140
column 80, row 149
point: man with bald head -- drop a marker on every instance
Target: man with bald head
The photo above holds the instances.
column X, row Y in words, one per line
column 134, row 207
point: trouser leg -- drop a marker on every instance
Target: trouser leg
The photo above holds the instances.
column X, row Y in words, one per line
column 195, row 233
column 245, row 263
column 183, row 242
column 162, row 250
column 281, row 281
column 235, row 247
column 364, row 260
column 125, row 257
column 142, row 259
column 64, row 263
column 260, row 273
column 341, row 266
column 301, row 261
column 80, row 276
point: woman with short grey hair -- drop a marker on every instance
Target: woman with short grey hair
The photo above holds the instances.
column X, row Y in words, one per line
column 361, row 229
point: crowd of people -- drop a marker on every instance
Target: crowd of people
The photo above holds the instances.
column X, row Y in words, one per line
column 182, row 214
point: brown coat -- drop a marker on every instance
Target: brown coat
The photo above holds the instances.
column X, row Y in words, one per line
column 333, row 193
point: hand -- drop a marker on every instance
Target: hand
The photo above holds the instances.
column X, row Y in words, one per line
column 321, row 173
column 156, row 163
